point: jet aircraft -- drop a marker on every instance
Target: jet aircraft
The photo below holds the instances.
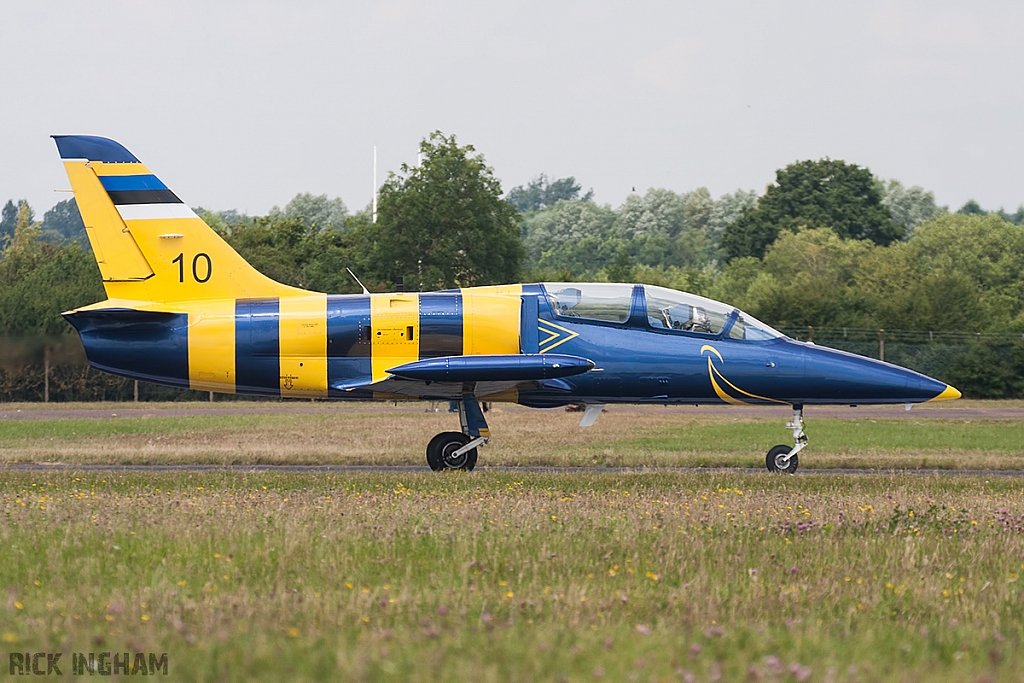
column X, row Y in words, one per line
column 185, row 310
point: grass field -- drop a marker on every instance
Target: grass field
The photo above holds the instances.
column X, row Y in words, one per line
column 627, row 576
column 383, row 434
column 610, row 575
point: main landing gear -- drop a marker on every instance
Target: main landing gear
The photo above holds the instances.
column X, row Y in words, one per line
column 783, row 458
column 457, row 450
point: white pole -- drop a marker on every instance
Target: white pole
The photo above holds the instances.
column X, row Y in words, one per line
column 375, row 183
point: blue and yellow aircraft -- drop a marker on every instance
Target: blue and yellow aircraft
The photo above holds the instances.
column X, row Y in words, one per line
column 185, row 310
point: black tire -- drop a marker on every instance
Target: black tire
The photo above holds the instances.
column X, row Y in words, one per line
column 433, row 455
column 775, row 452
column 442, row 445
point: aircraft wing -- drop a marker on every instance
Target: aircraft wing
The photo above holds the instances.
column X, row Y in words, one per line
column 447, row 377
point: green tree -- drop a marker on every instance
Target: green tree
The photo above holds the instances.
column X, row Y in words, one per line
column 38, row 280
column 63, row 223
column 697, row 209
column 1017, row 217
column 728, row 209
column 9, row 219
column 296, row 253
column 814, row 194
column 444, row 223
column 972, row 208
column 809, row 278
column 573, row 236
column 908, row 206
column 959, row 272
column 539, row 193
column 658, row 213
column 314, row 210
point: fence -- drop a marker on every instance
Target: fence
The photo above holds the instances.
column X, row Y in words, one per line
column 34, row 368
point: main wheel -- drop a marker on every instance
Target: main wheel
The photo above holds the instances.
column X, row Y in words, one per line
column 775, row 463
column 441, row 449
column 433, row 456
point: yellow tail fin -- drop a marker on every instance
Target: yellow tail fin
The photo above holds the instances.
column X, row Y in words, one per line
column 149, row 245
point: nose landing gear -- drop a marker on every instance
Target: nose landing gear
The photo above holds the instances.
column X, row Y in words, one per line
column 457, row 450
column 782, row 458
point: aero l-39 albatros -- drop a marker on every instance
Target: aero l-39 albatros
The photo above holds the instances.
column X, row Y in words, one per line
column 185, row 310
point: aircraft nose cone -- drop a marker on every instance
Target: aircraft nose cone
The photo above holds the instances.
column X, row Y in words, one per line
column 947, row 394
column 923, row 387
column 860, row 379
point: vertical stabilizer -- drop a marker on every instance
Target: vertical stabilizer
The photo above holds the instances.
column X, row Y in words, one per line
column 150, row 246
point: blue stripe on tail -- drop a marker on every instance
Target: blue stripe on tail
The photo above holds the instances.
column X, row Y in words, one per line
column 127, row 183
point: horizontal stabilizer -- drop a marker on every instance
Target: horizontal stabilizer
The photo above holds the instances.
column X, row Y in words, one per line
column 493, row 368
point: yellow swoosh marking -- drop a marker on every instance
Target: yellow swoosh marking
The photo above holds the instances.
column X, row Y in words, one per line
column 713, row 371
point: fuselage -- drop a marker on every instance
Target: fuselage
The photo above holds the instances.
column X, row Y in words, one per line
column 648, row 345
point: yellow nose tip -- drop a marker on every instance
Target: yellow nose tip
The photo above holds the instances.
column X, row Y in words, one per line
column 948, row 394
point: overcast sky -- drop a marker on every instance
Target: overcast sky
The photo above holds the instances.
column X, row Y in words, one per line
column 244, row 104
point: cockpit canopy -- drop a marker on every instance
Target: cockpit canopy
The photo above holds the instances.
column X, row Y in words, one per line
column 667, row 309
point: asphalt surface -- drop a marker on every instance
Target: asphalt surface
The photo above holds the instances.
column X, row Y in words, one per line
column 385, row 469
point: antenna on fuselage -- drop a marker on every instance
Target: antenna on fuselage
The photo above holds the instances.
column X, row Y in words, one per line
column 374, row 190
column 365, row 290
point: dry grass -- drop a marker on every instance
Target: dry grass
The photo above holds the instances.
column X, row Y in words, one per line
column 521, row 577
column 383, row 434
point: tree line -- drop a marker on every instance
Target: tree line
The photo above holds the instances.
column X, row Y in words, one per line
column 827, row 245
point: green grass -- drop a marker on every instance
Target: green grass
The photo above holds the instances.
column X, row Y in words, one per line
column 613, row 576
column 13, row 432
column 841, row 436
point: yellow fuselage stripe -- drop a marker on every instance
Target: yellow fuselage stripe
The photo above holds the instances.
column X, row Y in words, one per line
column 394, row 331
column 211, row 345
column 303, row 340
column 491, row 320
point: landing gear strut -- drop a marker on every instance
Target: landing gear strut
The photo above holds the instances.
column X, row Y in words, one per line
column 457, row 450
column 782, row 458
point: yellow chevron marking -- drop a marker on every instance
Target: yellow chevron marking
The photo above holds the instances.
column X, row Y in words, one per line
column 552, row 335
column 303, row 335
column 713, row 372
column 211, row 345
column 556, row 333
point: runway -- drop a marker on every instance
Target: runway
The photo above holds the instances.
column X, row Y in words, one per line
column 136, row 410
column 418, row 469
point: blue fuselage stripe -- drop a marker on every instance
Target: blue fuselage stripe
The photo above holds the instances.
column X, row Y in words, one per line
column 258, row 346
column 440, row 325
column 348, row 341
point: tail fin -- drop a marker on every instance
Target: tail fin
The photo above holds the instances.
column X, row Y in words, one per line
column 149, row 245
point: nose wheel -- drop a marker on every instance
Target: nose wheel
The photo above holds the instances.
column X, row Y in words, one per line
column 783, row 458
column 779, row 460
column 457, row 450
